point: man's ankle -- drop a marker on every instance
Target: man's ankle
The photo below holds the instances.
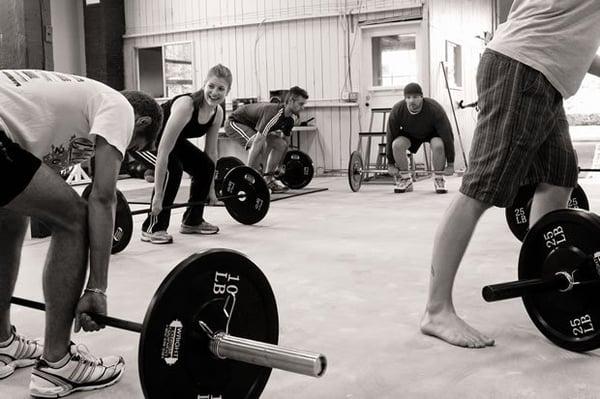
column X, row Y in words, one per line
column 6, row 335
column 55, row 357
column 436, row 308
column 60, row 362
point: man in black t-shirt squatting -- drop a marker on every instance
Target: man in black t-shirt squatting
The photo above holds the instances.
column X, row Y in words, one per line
column 413, row 121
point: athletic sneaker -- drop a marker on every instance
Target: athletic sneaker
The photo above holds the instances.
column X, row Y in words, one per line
column 277, row 187
column 158, row 237
column 202, row 228
column 439, row 184
column 81, row 372
column 19, row 352
column 403, row 185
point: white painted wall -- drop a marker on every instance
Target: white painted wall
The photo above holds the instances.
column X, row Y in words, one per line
column 459, row 21
column 273, row 44
column 68, row 40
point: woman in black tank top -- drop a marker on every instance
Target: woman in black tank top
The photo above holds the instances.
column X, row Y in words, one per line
column 187, row 116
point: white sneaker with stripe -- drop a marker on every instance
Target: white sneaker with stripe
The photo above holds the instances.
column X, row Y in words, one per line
column 82, row 372
column 20, row 352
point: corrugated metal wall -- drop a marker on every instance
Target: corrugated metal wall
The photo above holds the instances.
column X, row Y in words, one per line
column 271, row 44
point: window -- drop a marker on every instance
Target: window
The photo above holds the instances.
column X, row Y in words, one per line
column 166, row 71
column 454, row 64
column 394, row 60
column 583, row 108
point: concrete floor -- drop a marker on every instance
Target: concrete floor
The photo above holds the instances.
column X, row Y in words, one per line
column 350, row 273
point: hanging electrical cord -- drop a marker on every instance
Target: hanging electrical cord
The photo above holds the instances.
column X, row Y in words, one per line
column 258, row 34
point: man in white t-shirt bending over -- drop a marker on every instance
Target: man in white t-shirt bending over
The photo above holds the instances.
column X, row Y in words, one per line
column 49, row 121
column 538, row 57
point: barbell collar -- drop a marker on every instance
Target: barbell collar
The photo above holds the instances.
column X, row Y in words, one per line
column 225, row 346
column 515, row 289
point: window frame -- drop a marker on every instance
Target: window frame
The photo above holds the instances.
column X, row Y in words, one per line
column 452, row 73
column 163, row 63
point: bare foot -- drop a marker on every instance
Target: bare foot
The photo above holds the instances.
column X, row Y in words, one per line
column 449, row 327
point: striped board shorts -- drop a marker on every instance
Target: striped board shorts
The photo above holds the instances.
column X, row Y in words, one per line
column 239, row 132
column 522, row 135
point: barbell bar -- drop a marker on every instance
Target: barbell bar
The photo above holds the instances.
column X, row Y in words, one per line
column 98, row 318
column 184, row 204
column 561, row 281
column 211, row 330
column 226, row 346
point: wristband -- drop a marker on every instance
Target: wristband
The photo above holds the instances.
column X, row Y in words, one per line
column 95, row 291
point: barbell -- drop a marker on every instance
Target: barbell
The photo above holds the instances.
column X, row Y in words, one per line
column 355, row 171
column 517, row 215
column 243, row 191
column 559, row 277
column 210, row 331
column 222, row 167
column 296, row 170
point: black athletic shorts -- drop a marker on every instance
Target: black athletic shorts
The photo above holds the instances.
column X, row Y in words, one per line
column 18, row 167
column 415, row 144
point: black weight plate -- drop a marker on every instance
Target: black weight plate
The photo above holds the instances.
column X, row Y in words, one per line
column 123, row 221
column 569, row 319
column 174, row 357
column 299, row 169
column 224, row 165
column 355, row 166
column 254, row 207
column 517, row 215
column 578, row 199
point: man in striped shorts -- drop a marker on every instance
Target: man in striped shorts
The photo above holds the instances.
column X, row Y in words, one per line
column 538, row 57
column 263, row 128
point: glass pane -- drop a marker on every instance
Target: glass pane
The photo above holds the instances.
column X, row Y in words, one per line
column 454, row 64
column 394, row 60
column 178, row 69
column 584, row 108
column 151, row 71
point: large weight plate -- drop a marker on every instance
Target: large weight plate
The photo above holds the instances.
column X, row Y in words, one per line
column 254, row 207
column 224, row 165
column 123, row 221
column 299, row 169
column 517, row 215
column 558, row 242
column 355, row 167
column 174, row 358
